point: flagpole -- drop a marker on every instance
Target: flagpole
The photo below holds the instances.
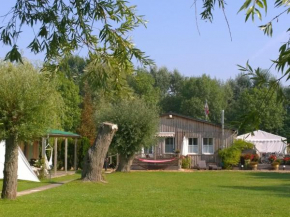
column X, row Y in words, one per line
column 223, row 129
column 206, row 110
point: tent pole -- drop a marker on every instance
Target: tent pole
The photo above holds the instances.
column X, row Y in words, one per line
column 55, row 156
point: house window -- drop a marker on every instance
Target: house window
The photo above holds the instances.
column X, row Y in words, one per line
column 148, row 150
column 207, row 147
column 169, row 145
column 192, row 146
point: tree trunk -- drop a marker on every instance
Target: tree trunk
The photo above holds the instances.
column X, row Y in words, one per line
column 94, row 159
column 125, row 163
column 9, row 189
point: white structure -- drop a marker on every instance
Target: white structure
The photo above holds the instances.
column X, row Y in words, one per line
column 266, row 142
column 25, row 172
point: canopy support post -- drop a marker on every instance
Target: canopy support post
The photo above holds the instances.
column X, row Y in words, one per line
column 75, row 154
column 65, row 156
column 55, row 156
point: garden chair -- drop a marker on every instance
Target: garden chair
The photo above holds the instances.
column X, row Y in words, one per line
column 201, row 165
column 214, row 167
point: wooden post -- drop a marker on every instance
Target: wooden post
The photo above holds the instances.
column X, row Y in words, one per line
column 55, row 156
column 43, row 147
column 117, row 160
column 65, row 156
column 75, row 155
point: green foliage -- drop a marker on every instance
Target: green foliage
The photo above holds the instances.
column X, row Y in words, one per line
column 231, row 156
column 282, row 62
column 186, row 162
column 62, row 27
column 143, row 86
column 29, row 103
column 252, row 112
column 70, row 94
column 137, row 125
column 83, row 147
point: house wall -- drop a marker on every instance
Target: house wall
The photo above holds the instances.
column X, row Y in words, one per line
column 194, row 129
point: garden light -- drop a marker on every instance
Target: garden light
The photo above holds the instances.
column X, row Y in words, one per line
column 284, row 167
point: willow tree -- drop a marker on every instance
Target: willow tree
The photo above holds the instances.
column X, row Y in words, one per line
column 61, row 27
column 137, row 126
column 28, row 108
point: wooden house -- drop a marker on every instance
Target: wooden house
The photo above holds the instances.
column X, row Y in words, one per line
column 196, row 138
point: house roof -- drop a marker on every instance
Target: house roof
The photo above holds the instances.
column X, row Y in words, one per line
column 195, row 119
column 59, row 133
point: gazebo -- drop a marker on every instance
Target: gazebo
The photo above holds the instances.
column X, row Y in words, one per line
column 60, row 134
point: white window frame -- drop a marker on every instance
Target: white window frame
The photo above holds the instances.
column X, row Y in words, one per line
column 203, row 146
column 173, row 148
column 190, row 146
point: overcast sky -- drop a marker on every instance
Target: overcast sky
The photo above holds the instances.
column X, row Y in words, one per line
column 171, row 38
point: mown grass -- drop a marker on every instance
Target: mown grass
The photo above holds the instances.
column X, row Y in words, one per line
column 222, row 193
column 24, row 185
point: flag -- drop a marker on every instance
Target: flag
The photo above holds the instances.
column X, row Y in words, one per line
column 206, row 110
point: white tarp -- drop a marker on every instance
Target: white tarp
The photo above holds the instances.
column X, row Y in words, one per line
column 266, row 142
column 184, row 146
column 24, row 172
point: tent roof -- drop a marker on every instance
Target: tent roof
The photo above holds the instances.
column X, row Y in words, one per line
column 260, row 135
column 24, row 171
column 59, row 133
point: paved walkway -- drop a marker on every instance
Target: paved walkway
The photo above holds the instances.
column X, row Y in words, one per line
column 42, row 188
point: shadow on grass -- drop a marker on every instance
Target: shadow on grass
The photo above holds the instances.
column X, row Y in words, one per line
column 279, row 189
column 269, row 175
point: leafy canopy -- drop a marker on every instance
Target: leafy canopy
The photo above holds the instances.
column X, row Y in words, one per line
column 61, row 27
column 29, row 103
column 137, row 125
column 253, row 9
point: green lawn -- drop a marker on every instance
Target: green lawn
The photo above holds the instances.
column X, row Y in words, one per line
column 23, row 185
column 210, row 193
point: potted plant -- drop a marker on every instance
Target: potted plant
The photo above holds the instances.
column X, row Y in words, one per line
column 286, row 160
column 177, row 152
column 276, row 164
column 272, row 158
column 248, row 158
column 254, row 162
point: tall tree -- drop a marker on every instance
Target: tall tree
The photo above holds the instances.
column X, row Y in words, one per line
column 137, row 125
column 70, row 94
column 94, row 160
column 88, row 126
column 28, row 108
column 253, row 9
column 271, row 115
column 143, row 86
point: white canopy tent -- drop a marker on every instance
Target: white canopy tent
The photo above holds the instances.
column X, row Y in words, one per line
column 25, row 172
column 266, row 142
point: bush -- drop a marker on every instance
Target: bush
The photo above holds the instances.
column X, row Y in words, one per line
column 231, row 156
column 186, row 162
